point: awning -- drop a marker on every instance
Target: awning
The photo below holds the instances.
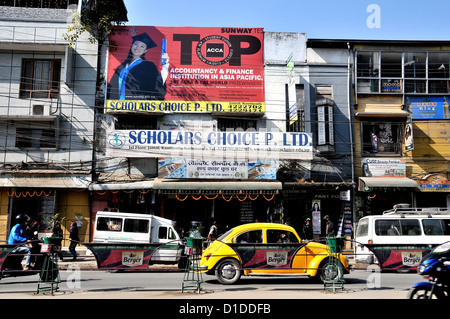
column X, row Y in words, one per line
column 45, row 179
column 179, row 186
column 121, row 186
column 366, row 184
column 381, row 114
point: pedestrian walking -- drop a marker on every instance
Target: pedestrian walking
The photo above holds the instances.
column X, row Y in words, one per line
column 307, row 229
column 74, row 239
column 212, row 231
column 329, row 231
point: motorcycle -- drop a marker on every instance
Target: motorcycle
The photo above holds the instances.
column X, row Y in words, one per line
column 435, row 267
column 12, row 266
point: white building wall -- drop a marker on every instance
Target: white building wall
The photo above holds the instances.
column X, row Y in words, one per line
column 33, row 38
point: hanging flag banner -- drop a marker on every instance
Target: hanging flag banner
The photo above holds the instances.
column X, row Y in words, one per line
column 293, row 114
column 290, row 69
column 185, row 69
column 209, row 144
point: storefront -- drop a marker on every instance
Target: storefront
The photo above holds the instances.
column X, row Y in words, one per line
column 228, row 202
column 45, row 197
column 434, row 190
column 304, row 200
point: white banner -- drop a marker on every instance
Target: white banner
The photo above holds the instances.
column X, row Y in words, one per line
column 210, row 144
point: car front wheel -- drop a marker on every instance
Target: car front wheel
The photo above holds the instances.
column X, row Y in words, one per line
column 228, row 271
column 330, row 270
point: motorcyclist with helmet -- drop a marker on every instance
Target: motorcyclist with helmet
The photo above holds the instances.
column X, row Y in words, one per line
column 18, row 236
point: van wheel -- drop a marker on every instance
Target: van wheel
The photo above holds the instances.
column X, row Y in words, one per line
column 228, row 271
column 182, row 263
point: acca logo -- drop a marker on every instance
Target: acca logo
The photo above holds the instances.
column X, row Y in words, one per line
column 214, row 50
column 116, row 140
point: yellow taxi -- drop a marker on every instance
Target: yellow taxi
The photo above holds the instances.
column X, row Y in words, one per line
column 268, row 248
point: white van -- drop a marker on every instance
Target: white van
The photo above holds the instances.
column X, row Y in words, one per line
column 127, row 228
column 402, row 225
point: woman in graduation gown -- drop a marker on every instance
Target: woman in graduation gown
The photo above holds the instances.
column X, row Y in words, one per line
column 137, row 78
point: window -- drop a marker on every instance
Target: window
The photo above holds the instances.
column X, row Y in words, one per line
column 382, row 138
column 136, row 122
column 387, row 228
column 40, row 79
column 36, row 134
column 363, row 228
column 166, row 233
column 136, row 225
column 438, row 65
column 280, row 236
column 225, row 124
column 109, row 224
column 436, row 227
column 295, row 110
column 391, row 64
column 57, row 4
column 368, row 64
column 403, row 227
column 253, row 236
column 403, row 72
column 172, row 234
column 162, row 232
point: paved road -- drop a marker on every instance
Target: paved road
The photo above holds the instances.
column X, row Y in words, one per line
column 167, row 285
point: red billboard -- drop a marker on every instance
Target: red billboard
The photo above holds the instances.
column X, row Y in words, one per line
column 186, row 69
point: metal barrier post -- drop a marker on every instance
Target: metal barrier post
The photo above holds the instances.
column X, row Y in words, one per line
column 333, row 270
column 192, row 277
column 50, row 273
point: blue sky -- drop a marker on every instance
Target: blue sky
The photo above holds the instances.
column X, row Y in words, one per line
column 326, row 19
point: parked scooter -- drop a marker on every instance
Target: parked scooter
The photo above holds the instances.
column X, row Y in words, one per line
column 436, row 268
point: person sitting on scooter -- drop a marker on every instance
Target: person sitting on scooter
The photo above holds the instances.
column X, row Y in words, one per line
column 17, row 236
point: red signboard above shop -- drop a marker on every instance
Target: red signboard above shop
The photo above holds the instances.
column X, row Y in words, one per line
column 186, row 69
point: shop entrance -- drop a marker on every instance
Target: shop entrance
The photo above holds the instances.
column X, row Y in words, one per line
column 37, row 204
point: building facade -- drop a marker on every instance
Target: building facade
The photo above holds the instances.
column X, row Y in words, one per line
column 46, row 117
column 229, row 124
column 401, row 124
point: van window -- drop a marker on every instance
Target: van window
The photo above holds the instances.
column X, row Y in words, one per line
column 136, row 225
column 109, row 223
column 410, row 227
column 363, row 228
column 436, row 227
column 396, row 227
column 162, row 232
column 172, row 234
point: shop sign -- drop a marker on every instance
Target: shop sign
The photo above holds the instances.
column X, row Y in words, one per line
column 428, row 107
column 244, row 145
column 216, row 169
column 434, row 183
column 383, row 167
column 44, row 180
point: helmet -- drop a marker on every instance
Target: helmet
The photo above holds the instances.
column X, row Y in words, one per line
column 22, row 218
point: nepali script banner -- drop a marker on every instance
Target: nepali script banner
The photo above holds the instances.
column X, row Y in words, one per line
column 186, row 69
column 209, row 145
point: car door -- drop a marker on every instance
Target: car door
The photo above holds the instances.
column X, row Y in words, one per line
column 282, row 248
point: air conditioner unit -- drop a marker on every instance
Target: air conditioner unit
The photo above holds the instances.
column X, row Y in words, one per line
column 41, row 109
